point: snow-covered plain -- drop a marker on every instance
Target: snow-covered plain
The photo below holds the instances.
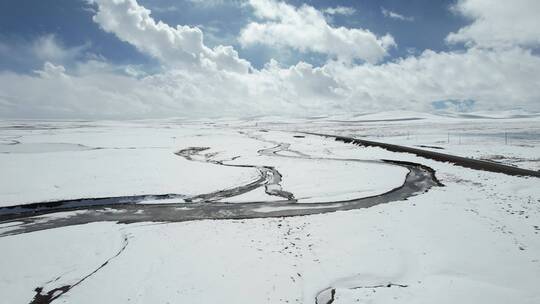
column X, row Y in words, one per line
column 475, row 240
column 506, row 137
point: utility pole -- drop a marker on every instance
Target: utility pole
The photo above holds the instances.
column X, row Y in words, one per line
column 506, row 138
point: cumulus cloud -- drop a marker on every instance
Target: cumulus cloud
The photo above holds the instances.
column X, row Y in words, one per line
column 182, row 45
column 94, row 90
column 53, row 93
column 196, row 80
column 394, row 15
column 494, row 79
column 498, row 23
column 305, row 29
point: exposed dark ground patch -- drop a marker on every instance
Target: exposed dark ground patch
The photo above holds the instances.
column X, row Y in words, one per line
column 55, row 293
column 328, row 295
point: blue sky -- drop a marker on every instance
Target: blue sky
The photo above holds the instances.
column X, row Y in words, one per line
column 160, row 58
column 71, row 23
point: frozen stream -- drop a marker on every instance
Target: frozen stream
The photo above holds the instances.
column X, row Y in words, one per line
column 129, row 209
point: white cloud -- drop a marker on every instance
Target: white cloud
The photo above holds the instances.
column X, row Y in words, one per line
column 305, row 29
column 498, row 23
column 340, row 10
column 28, row 53
column 494, row 79
column 213, row 3
column 199, row 81
column 94, row 90
column 182, row 46
column 51, row 71
column 165, row 9
column 394, row 15
column 47, row 48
